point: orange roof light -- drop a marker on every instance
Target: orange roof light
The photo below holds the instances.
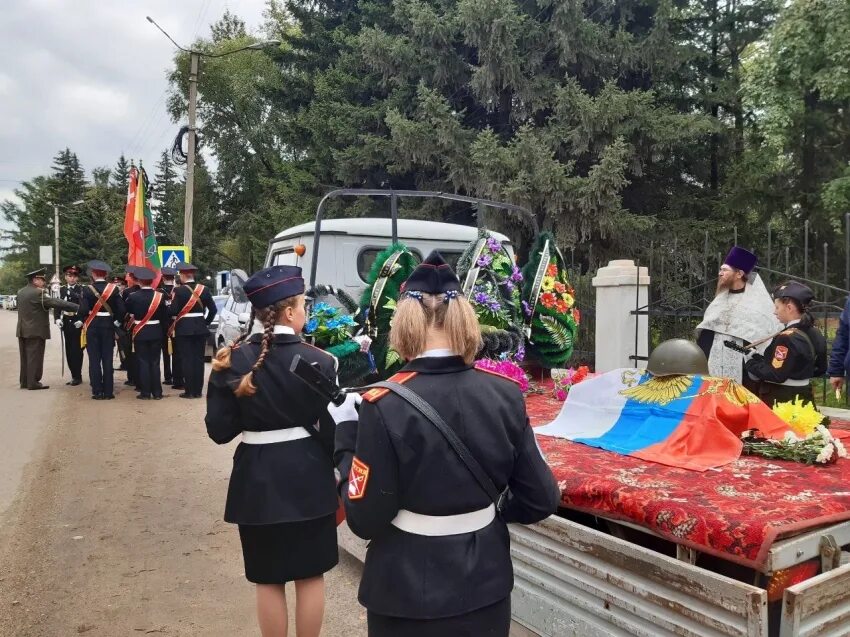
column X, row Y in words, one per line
column 300, row 249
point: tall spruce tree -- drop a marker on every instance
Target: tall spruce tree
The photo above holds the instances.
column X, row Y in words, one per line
column 167, row 200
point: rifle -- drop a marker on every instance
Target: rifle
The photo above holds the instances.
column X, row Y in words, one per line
column 310, row 375
column 744, row 349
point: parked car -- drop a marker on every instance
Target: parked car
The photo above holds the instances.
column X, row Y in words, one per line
column 233, row 320
column 213, row 327
column 10, row 302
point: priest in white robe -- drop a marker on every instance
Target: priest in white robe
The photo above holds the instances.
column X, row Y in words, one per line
column 742, row 311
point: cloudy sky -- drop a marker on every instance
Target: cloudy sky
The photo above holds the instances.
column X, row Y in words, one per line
column 90, row 75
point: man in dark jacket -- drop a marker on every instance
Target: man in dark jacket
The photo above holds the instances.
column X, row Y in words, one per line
column 839, row 359
column 193, row 309
column 101, row 313
column 34, row 305
column 65, row 320
column 148, row 318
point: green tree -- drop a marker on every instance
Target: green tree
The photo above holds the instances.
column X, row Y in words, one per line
column 167, row 201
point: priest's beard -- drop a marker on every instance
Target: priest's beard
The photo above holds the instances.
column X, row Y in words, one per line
column 723, row 285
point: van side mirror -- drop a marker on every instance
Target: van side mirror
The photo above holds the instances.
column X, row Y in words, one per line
column 243, row 318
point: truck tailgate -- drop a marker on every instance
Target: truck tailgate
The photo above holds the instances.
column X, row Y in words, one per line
column 572, row 580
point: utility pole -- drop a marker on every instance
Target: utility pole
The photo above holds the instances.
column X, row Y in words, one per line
column 73, row 204
column 194, row 58
column 190, row 157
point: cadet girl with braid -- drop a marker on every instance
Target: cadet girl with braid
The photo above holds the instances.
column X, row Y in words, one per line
column 282, row 487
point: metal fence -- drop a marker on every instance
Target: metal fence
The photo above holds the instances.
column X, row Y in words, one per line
column 683, row 269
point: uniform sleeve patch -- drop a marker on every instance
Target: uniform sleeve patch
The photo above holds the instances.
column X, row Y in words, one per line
column 779, row 356
column 358, row 478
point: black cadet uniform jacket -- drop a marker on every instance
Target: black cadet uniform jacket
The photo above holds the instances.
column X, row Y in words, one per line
column 796, row 353
column 283, row 481
column 192, row 325
column 70, row 293
column 409, row 465
column 138, row 305
column 88, row 301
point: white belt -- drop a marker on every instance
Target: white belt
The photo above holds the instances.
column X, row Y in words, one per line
column 156, row 322
column 794, row 382
column 104, row 314
column 276, row 435
column 194, row 315
column 438, row 525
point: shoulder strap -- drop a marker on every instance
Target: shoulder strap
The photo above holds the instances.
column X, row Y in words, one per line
column 451, row 437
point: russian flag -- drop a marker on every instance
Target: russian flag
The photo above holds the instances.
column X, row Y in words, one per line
column 693, row 422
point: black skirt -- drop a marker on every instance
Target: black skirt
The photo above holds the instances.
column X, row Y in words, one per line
column 280, row 553
column 490, row 621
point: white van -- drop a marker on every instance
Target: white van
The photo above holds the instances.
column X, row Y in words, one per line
column 348, row 247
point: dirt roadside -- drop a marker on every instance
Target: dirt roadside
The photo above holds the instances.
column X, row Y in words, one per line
column 115, row 527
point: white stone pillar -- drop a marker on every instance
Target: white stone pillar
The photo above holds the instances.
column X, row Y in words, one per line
column 620, row 289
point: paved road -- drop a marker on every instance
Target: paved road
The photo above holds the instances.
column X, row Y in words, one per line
column 110, row 517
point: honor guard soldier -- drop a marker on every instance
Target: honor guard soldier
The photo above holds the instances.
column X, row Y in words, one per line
column 282, row 488
column 795, row 355
column 101, row 313
column 434, row 495
column 170, row 363
column 149, row 317
column 191, row 327
column 33, row 329
column 125, row 339
column 65, row 320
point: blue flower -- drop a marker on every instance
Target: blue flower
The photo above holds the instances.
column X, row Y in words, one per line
column 332, row 324
column 347, row 320
column 311, row 326
column 484, row 260
column 481, row 298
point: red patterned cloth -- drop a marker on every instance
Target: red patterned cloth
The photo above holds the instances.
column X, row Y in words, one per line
column 736, row 512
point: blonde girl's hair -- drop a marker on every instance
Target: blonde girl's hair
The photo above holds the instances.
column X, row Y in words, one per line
column 268, row 316
column 413, row 318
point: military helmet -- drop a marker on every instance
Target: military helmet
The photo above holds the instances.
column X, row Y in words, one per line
column 677, row 356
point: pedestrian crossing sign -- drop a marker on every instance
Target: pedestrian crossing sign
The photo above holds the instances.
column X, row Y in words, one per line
column 170, row 256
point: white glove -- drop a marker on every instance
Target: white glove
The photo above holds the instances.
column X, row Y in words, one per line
column 78, row 324
column 117, row 324
column 59, row 323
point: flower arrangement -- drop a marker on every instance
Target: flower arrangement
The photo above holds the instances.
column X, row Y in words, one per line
column 549, row 304
column 818, row 447
column 802, row 417
column 328, row 325
column 565, row 379
column 496, row 293
column 505, row 368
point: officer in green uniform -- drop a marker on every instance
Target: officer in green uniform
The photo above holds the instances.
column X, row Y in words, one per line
column 34, row 305
column 795, row 355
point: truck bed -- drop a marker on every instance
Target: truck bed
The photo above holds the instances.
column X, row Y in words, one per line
column 737, row 512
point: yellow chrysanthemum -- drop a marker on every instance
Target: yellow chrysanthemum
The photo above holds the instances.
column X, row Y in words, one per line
column 548, row 283
column 802, row 417
column 568, row 299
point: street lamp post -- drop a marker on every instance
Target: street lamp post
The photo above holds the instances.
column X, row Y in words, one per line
column 56, row 207
column 194, row 60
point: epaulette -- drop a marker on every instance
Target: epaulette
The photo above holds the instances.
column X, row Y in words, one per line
column 374, row 395
column 788, row 332
column 491, row 372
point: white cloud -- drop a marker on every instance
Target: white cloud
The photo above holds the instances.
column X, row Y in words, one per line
column 91, row 76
